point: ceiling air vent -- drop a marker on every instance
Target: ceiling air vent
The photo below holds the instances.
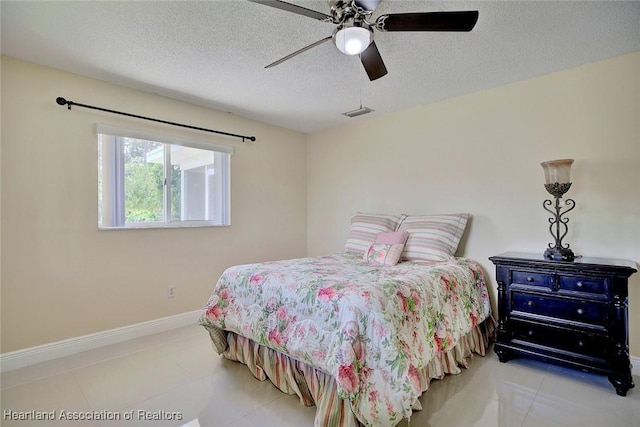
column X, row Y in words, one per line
column 358, row 112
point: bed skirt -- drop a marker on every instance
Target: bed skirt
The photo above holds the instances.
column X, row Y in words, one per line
column 316, row 387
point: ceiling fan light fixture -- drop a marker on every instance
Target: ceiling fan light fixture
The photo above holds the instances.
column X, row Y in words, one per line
column 352, row 40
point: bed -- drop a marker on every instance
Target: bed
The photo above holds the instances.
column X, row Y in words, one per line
column 356, row 333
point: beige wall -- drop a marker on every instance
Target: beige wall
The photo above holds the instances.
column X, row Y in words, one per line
column 61, row 277
column 480, row 154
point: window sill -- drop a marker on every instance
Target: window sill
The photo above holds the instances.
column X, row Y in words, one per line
column 148, row 226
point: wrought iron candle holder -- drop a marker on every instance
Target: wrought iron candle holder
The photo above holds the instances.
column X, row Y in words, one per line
column 557, row 177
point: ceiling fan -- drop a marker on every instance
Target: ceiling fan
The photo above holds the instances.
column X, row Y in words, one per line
column 353, row 34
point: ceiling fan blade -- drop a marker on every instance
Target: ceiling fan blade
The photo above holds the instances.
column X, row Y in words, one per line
column 298, row 52
column 368, row 4
column 428, row 21
column 372, row 62
column 288, row 7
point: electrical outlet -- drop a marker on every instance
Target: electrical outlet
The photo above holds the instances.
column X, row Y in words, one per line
column 171, row 291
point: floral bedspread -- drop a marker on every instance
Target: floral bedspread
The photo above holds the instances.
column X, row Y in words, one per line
column 372, row 328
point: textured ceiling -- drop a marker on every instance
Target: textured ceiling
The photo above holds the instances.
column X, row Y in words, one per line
column 213, row 53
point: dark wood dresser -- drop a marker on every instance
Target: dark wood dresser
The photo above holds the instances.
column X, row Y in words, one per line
column 572, row 313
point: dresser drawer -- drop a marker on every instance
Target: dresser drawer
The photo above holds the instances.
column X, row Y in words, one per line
column 584, row 343
column 531, row 279
column 561, row 283
column 560, row 308
column 592, row 285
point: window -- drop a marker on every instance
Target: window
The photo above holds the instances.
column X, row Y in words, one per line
column 148, row 181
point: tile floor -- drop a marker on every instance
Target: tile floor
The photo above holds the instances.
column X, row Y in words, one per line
column 178, row 372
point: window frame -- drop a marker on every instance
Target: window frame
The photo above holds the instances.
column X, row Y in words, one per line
column 117, row 170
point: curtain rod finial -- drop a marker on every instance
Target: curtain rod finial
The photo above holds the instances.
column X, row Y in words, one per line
column 61, row 101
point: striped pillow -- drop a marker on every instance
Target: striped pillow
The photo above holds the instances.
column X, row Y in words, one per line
column 365, row 228
column 432, row 237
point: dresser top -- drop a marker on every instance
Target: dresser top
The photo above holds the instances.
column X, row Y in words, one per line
column 584, row 262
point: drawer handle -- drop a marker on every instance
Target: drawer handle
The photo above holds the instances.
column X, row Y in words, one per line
column 580, row 343
column 530, row 303
column 580, row 311
column 530, row 333
column 579, row 284
column 530, row 279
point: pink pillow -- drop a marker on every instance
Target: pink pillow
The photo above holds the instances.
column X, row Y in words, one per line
column 383, row 254
column 393, row 238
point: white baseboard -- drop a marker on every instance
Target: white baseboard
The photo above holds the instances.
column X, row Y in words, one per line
column 42, row 353
column 635, row 362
